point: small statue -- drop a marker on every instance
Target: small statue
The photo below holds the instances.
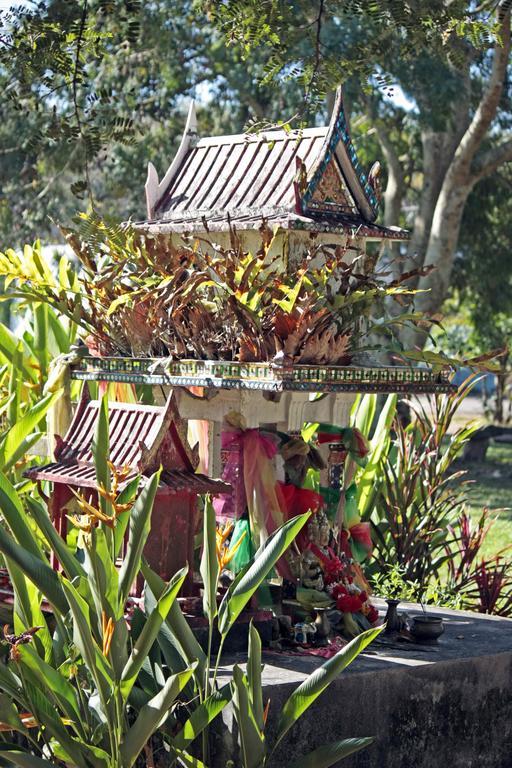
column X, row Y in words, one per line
column 302, row 632
column 311, row 567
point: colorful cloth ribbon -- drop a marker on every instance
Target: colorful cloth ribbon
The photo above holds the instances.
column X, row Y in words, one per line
column 350, row 438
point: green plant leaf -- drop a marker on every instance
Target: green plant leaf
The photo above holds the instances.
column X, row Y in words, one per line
column 202, row 716
column 101, row 452
column 14, row 515
column 11, row 442
column 83, row 638
column 209, row 565
column 40, row 574
column 329, row 754
column 149, row 632
column 181, row 633
column 53, row 683
column 72, row 567
column 24, row 759
column 9, row 714
column 252, row 740
column 309, row 690
column 243, row 588
column 151, row 717
column 254, row 675
column 140, row 523
column 187, row 760
column 27, row 610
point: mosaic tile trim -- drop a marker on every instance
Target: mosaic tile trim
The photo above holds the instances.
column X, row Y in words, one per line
column 262, row 376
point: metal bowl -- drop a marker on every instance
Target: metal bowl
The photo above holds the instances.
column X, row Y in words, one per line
column 427, row 628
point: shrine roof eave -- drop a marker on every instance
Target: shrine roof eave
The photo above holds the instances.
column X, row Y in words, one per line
column 80, row 476
column 253, row 220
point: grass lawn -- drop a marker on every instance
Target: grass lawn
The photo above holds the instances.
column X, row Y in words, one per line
column 492, row 487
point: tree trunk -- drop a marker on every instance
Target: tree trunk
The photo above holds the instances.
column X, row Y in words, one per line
column 447, row 188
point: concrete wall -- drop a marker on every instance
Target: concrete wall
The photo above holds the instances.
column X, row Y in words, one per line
column 444, row 706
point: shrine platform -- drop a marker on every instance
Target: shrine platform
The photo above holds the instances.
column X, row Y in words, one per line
column 447, row 705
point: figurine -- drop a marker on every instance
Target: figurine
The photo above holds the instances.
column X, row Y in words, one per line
column 302, row 631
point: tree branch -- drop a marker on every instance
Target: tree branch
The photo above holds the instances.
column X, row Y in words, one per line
column 488, row 105
column 491, row 160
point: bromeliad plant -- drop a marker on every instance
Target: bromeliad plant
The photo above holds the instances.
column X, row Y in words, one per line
column 91, row 683
column 143, row 296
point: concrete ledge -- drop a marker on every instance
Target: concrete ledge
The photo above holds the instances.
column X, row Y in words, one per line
column 448, row 705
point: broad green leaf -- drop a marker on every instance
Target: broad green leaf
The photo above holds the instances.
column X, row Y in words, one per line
column 243, row 588
column 9, row 344
column 24, row 759
column 151, row 717
column 365, row 413
column 329, row 754
column 103, row 575
column 40, row 574
column 83, row 638
column 202, row 716
column 19, row 431
column 9, row 714
column 14, row 515
column 252, row 740
column 127, row 495
column 27, row 610
column 72, row 567
column 254, row 675
column 209, row 563
column 100, row 452
column 53, row 683
column 151, row 628
column 309, row 690
column 181, row 633
column 378, row 447
column 187, row 760
column 11, row 684
column 140, row 523
column 23, row 448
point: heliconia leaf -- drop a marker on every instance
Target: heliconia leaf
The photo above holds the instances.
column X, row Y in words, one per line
column 244, row 586
column 186, row 760
column 309, row 690
column 9, row 714
column 329, row 754
column 9, row 345
column 378, row 448
column 96, row 663
column 27, row 610
column 202, row 716
column 70, row 564
column 23, row 427
column 140, row 523
column 101, row 451
column 181, row 633
column 25, row 759
column 254, row 675
column 14, row 515
column 127, row 495
column 252, row 740
column 52, row 681
column 39, row 573
column 209, row 564
column 152, row 716
column 363, row 415
column 11, row 684
column 149, row 632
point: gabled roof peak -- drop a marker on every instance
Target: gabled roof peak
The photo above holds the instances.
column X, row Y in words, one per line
column 314, row 172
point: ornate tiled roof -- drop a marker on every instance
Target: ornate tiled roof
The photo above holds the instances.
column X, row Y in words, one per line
column 309, row 179
column 141, row 437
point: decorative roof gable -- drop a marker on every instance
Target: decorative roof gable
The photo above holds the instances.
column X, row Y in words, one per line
column 304, row 176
